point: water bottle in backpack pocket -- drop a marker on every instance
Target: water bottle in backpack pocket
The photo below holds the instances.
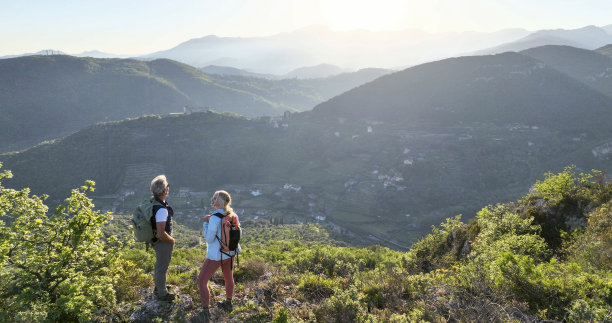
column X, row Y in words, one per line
column 230, row 232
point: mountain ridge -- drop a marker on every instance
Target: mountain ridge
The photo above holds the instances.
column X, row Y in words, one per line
column 50, row 96
column 281, row 53
column 589, row 37
column 392, row 147
column 46, row 97
column 462, row 79
column 587, row 66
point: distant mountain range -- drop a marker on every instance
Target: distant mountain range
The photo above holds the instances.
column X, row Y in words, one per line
column 317, row 71
column 590, row 37
column 46, row 97
column 232, row 71
column 309, row 72
column 387, row 158
column 41, row 52
column 310, row 47
column 282, row 53
column 300, row 94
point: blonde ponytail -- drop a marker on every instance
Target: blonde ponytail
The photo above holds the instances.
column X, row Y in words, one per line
column 226, row 199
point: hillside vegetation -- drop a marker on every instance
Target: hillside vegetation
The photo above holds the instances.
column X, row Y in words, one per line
column 501, row 89
column 593, row 68
column 606, row 50
column 47, row 97
column 412, row 148
column 545, row 257
column 301, row 94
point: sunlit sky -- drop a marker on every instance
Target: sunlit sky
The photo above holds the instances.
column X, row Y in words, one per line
column 144, row 26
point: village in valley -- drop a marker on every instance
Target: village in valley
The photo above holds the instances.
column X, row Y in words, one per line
column 291, row 202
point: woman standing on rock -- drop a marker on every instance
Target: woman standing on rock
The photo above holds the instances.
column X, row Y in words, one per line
column 215, row 257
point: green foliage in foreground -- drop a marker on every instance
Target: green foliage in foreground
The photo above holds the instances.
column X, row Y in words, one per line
column 545, row 257
column 54, row 267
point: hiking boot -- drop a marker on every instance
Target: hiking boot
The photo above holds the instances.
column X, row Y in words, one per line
column 166, row 298
column 202, row 317
column 156, row 293
column 226, row 305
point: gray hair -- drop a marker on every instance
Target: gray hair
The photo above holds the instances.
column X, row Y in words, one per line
column 158, row 185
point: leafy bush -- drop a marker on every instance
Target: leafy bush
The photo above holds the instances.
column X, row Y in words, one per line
column 345, row 306
column 503, row 230
column 592, row 246
column 441, row 248
column 561, row 202
column 54, row 267
column 316, row 286
column 281, row 316
column 500, row 267
column 253, row 269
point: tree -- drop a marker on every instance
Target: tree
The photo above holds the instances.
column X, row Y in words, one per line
column 54, row 267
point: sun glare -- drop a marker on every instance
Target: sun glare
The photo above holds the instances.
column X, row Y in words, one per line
column 369, row 15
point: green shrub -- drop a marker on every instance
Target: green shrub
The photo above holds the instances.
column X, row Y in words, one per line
column 503, row 230
column 551, row 287
column 57, row 267
column 581, row 311
column 346, row 305
column 252, row 269
column 441, row 248
column 281, row 316
column 373, row 297
column 591, row 247
column 316, row 286
column 130, row 277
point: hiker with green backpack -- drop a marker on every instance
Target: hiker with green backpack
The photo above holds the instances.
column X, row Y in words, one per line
column 153, row 225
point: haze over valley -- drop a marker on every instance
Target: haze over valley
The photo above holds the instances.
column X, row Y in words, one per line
column 417, row 146
column 389, row 161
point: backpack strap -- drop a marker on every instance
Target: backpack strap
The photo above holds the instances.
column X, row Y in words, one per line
column 220, row 216
column 155, row 202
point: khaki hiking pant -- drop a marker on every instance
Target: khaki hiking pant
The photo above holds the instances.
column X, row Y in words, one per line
column 163, row 255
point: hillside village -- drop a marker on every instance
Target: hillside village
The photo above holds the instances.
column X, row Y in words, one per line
column 298, row 202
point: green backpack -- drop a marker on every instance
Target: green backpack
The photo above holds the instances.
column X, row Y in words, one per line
column 141, row 220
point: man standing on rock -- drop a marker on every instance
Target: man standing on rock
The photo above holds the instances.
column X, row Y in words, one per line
column 163, row 242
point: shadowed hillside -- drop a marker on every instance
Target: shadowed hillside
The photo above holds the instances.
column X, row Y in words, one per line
column 589, row 67
column 502, row 89
column 301, row 94
column 606, row 50
column 412, row 148
column 45, row 97
column 543, row 258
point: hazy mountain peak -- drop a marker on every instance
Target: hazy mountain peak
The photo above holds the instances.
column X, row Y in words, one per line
column 317, row 71
column 313, row 45
column 99, row 54
column 589, row 37
column 41, row 52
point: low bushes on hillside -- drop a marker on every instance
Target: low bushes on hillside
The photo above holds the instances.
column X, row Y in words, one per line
column 544, row 257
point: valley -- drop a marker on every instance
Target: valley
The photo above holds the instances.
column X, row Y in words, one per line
column 380, row 163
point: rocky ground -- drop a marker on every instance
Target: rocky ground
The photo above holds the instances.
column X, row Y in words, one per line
column 183, row 309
